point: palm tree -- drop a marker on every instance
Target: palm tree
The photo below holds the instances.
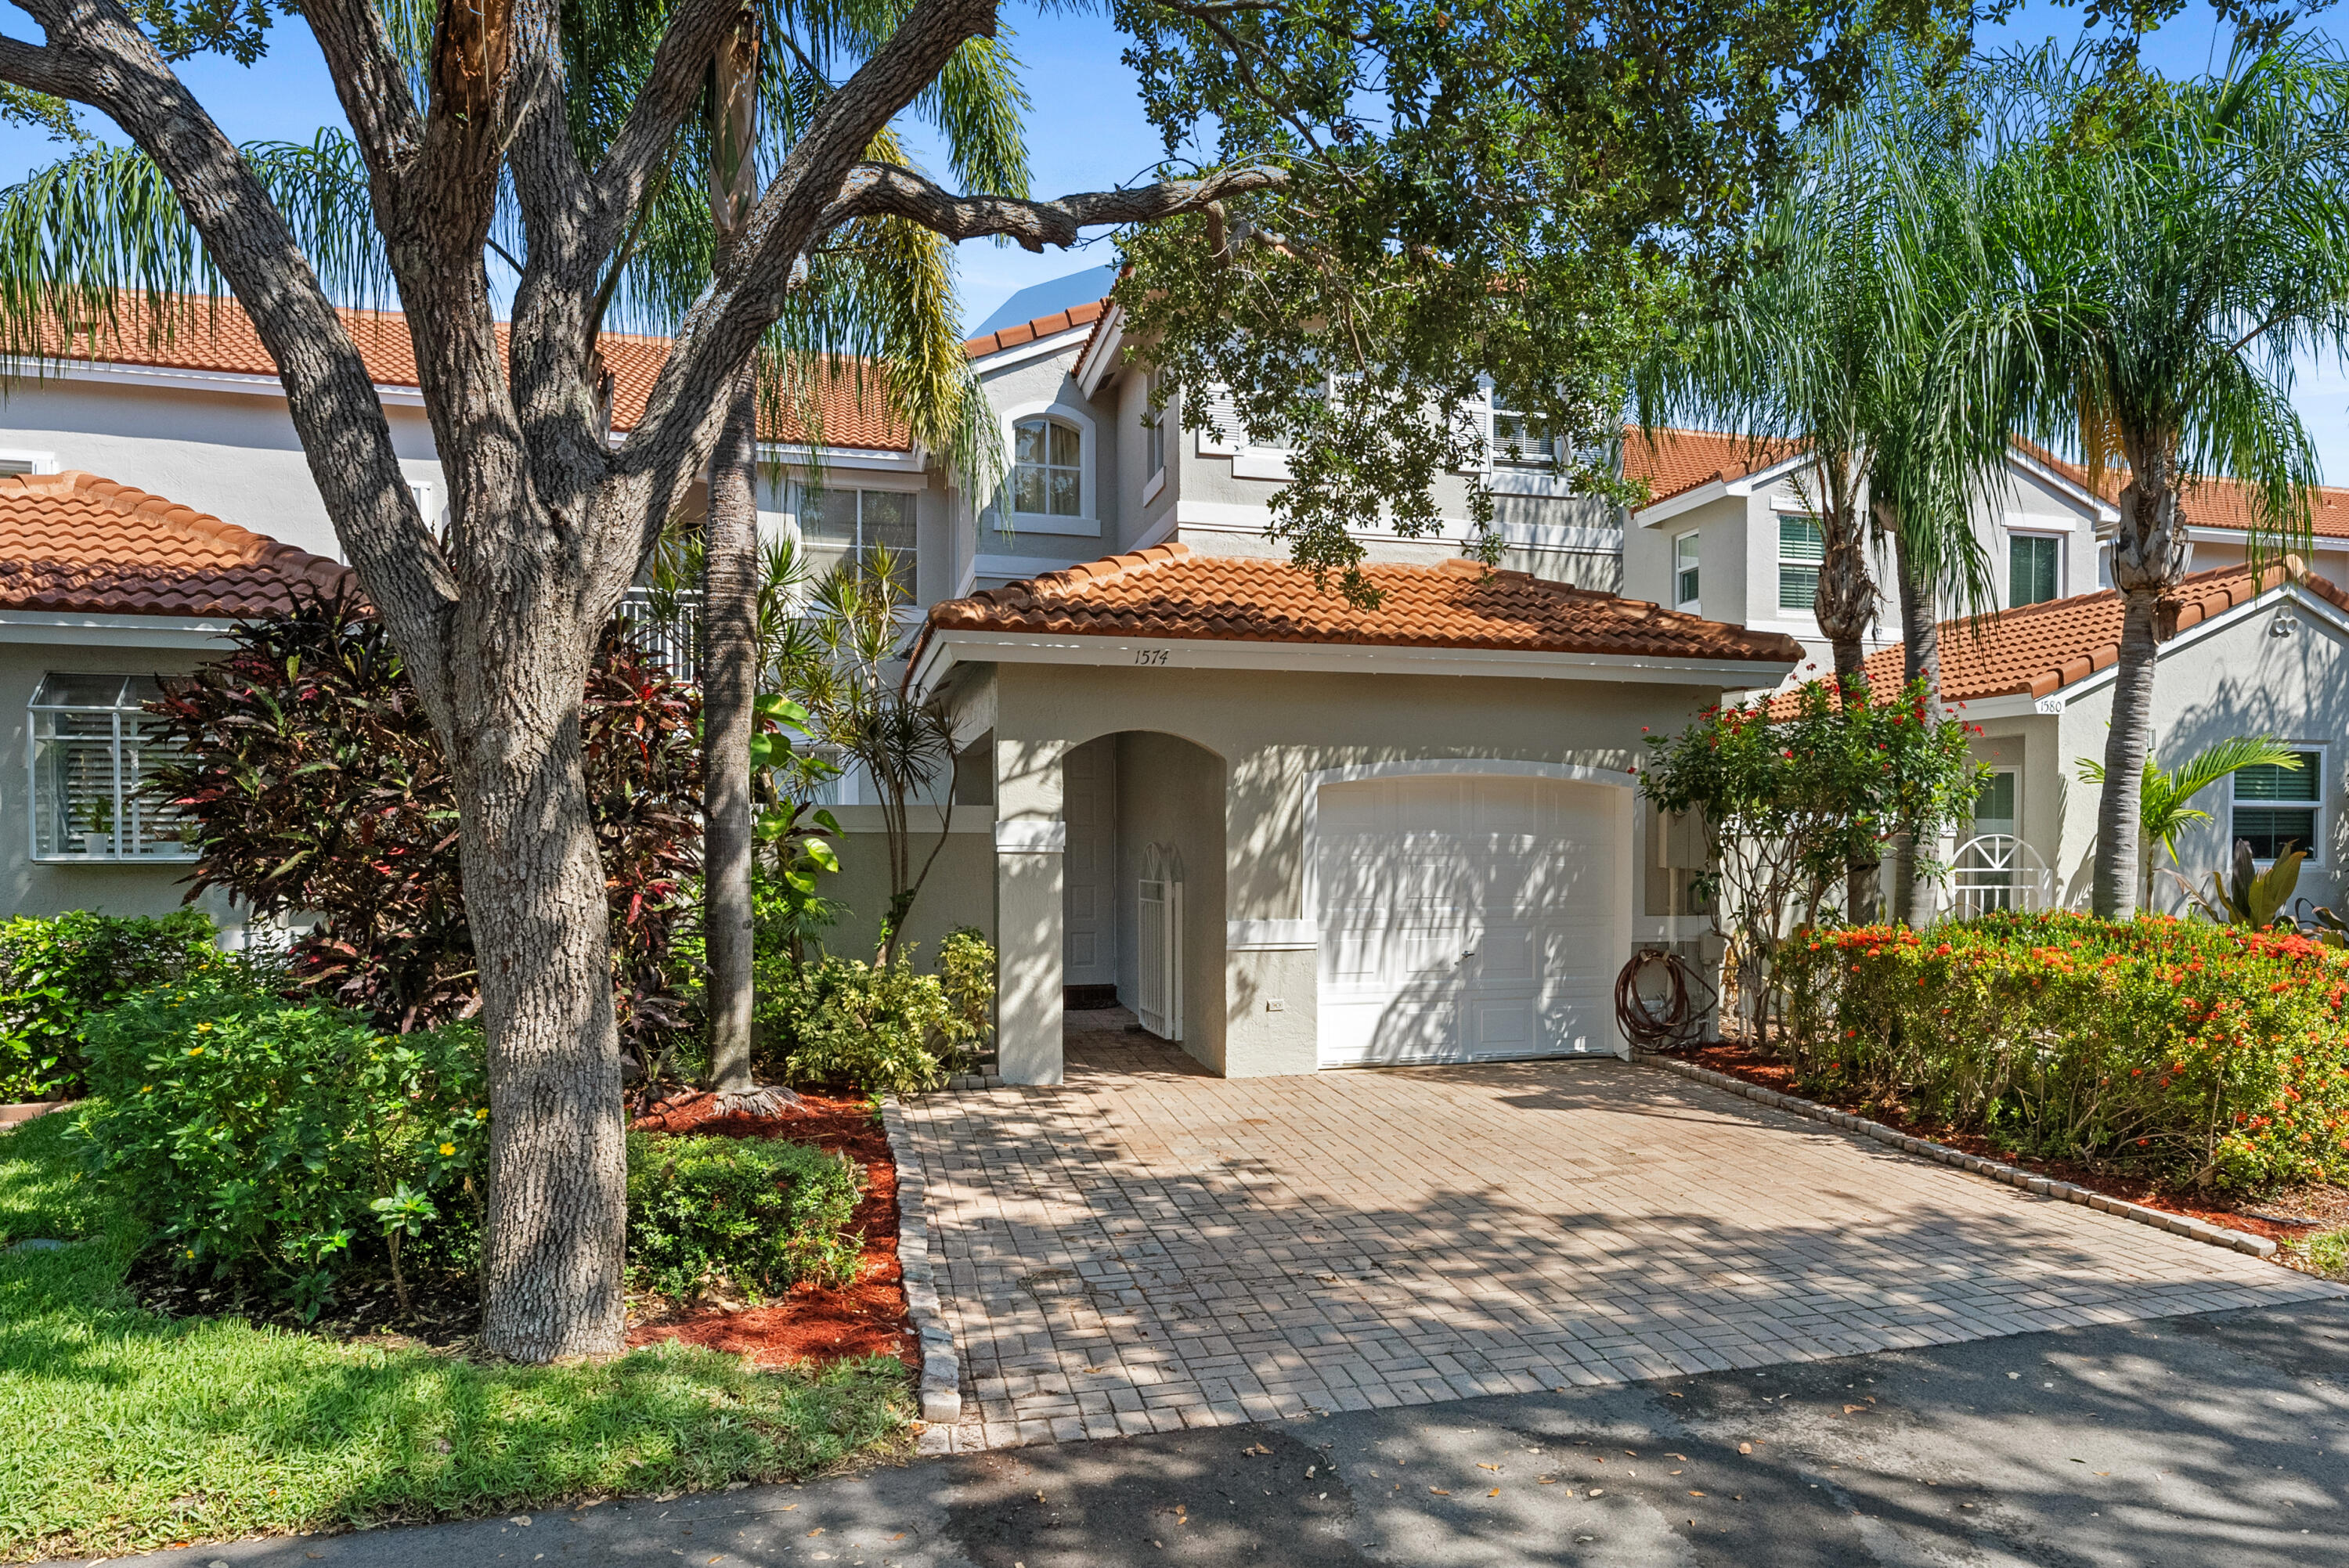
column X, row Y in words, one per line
column 1859, row 333
column 2202, row 234
column 875, row 317
column 2164, row 799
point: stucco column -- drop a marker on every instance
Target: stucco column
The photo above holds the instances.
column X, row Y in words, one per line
column 1030, row 836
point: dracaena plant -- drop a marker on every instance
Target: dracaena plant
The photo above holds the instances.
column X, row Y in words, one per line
column 313, row 785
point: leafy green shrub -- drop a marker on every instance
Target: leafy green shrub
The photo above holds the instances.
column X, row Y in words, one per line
column 967, row 970
column 762, row 1213
column 55, row 970
column 885, row 1028
column 2218, row 1055
column 282, row 1142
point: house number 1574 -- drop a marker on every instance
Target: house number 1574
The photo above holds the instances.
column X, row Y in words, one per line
column 1150, row 656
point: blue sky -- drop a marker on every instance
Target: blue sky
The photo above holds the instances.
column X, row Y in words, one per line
column 1086, row 132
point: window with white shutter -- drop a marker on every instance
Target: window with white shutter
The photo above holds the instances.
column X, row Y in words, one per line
column 95, row 750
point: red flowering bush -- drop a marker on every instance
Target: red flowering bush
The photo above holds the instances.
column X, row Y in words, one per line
column 2215, row 1054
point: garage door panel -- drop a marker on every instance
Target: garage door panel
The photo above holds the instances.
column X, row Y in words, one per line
column 1464, row 917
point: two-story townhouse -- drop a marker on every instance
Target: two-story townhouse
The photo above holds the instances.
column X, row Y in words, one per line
column 1730, row 531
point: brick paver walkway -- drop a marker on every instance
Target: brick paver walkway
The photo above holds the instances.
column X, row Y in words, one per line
column 1148, row 1247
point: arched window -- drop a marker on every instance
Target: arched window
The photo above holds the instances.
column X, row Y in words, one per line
column 1045, row 478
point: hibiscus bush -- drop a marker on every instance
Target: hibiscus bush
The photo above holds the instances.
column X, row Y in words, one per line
column 2217, row 1055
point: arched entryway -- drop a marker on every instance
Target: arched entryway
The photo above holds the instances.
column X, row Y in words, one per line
column 1141, row 892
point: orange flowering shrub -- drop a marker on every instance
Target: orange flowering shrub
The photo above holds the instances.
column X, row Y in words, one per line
column 2219, row 1054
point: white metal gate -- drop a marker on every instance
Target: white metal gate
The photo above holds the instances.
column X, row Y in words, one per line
column 1158, row 942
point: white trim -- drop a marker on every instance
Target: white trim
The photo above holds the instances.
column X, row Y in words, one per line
column 1108, row 336
column 177, row 379
column 2202, row 535
column 878, row 460
column 1715, row 489
column 1220, row 654
column 1087, row 523
column 1154, row 484
column 2028, row 522
column 1270, row 936
column 1688, row 606
column 1254, row 518
column 113, row 631
column 2317, row 860
column 1626, row 832
column 42, row 462
column 1029, row 836
column 2013, row 705
column 1035, row 349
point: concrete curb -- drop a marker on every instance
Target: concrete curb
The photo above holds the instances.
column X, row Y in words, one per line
column 941, row 1367
column 2014, row 1176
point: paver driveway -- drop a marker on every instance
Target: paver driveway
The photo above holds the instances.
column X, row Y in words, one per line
column 1148, row 1247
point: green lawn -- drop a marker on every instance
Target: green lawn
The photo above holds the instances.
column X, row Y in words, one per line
column 120, row 1430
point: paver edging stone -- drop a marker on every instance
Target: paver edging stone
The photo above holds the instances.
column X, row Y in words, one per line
column 2012, row 1175
column 941, row 1367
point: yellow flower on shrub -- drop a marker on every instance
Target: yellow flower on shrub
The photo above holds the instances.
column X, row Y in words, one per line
column 447, row 1148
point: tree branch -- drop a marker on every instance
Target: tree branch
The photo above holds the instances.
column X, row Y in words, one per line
column 636, row 154
column 369, row 79
column 98, row 55
column 875, row 189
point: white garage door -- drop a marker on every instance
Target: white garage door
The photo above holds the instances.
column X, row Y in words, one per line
column 1465, row 918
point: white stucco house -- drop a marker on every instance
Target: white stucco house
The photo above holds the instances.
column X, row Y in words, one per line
column 1291, row 833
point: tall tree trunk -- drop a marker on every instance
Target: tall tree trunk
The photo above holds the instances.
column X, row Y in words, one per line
column 729, row 608
column 1913, row 901
column 729, row 689
column 2118, row 863
column 1845, row 607
column 2149, row 558
column 552, row 1252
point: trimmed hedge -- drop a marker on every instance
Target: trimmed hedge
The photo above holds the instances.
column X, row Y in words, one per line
column 760, row 1213
column 2218, row 1055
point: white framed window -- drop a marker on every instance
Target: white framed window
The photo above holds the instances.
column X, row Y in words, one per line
column 1802, row 550
column 2104, row 564
column 1523, row 443
column 2035, row 569
column 843, row 525
column 1047, row 468
column 18, row 460
column 94, row 751
column 2275, row 807
column 1153, row 439
column 1686, row 579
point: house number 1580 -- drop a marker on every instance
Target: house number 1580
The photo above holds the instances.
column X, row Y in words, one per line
column 1150, row 656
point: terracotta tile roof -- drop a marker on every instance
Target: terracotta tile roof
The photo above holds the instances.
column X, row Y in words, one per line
column 1169, row 592
column 2211, row 503
column 77, row 543
column 1059, row 321
column 1674, row 461
column 216, row 334
column 2042, row 648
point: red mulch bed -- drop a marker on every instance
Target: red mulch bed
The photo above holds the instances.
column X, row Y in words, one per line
column 809, row 1322
column 1745, row 1062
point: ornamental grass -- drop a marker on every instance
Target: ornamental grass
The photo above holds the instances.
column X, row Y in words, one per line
column 2206, row 1055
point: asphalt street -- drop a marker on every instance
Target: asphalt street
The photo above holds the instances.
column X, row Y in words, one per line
column 2220, row 1439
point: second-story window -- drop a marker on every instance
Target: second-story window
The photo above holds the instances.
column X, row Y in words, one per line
column 1802, row 550
column 1155, row 436
column 1523, row 441
column 1045, row 474
column 1684, row 570
column 838, row 525
column 2030, row 567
